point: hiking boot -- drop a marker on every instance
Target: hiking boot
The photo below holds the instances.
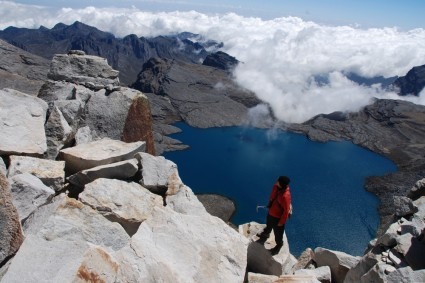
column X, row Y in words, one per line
column 263, row 235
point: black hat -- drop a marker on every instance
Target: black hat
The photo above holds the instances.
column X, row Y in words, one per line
column 283, row 181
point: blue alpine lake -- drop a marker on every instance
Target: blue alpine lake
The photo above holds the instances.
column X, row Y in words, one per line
column 331, row 208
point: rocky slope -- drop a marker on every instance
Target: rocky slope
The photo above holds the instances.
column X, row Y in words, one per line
column 126, row 54
column 119, row 229
column 21, row 70
column 200, row 95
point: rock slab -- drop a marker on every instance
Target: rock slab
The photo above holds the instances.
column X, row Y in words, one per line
column 22, row 120
column 101, row 152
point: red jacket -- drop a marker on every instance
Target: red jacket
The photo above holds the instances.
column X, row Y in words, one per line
column 281, row 202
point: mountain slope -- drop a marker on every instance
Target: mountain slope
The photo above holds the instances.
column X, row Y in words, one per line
column 21, row 70
column 203, row 96
column 126, row 55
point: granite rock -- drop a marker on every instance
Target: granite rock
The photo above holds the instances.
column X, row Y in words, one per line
column 174, row 247
column 82, row 69
column 29, row 193
column 340, row 263
column 218, row 205
column 22, row 127
column 123, row 115
column 126, row 203
column 11, row 235
column 72, row 224
column 122, row 170
column 58, row 133
column 50, row 172
column 96, row 153
column 157, row 173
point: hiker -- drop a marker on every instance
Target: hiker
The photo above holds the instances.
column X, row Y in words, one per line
column 279, row 211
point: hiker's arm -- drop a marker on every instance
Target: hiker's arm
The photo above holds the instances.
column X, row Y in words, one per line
column 286, row 204
column 272, row 196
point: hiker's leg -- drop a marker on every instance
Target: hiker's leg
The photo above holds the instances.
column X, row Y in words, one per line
column 271, row 222
column 278, row 236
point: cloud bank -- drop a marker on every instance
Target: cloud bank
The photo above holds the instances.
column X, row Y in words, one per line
column 282, row 58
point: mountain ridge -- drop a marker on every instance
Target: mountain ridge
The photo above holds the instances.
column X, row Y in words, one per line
column 127, row 54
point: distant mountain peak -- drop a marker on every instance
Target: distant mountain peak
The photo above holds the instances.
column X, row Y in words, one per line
column 413, row 83
column 126, row 54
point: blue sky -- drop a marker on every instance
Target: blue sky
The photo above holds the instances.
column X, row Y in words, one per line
column 405, row 15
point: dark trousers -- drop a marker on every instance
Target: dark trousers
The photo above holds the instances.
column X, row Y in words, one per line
column 272, row 223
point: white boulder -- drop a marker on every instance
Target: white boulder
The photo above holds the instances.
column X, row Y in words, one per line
column 159, row 175
column 173, row 247
column 29, row 193
column 22, row 123
column 186, row 202
column 50, row 172
column 126, row 203
column 82, row 69
column 339, row 262
column 56, row 251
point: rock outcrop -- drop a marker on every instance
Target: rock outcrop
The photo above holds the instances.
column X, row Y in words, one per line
column 84, row 93
column 339, row 263
column 134, row 234
column 79, row 68
column 117, row 230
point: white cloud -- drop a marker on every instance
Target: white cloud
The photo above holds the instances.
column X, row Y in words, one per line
column 281, row 57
